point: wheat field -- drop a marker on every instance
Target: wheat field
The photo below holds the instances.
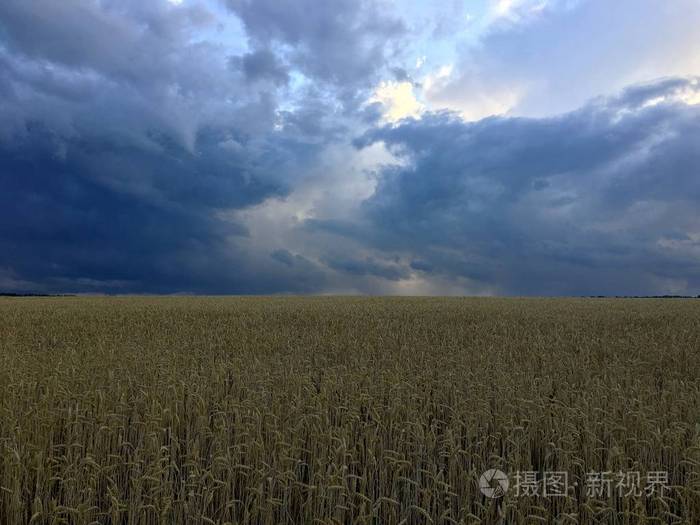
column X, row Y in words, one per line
column 344, row 410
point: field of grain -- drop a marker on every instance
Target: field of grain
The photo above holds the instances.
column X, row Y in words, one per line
column 344, row 410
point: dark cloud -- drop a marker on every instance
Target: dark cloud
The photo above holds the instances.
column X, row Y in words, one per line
column 422, row 266
column 315, row 120
column 368, row 266
column 640, row 94
column 128, row 41
column 344, row 42
column 300, row 274
column 591, row 201
column 262, row 65
column 283, row 256
column 84, row 208
column 126, row 146
column 292, row 260
column 136, row 153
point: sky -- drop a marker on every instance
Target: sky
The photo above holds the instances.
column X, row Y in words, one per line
column 403, row 147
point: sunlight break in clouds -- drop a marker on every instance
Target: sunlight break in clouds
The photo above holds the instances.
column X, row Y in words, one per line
column 398, row 100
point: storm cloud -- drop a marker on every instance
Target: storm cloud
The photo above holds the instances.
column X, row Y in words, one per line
column 603, row 198
column 238, row 146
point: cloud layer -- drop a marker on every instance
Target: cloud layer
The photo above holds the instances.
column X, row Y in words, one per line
column 600, row 199
column 237, row 146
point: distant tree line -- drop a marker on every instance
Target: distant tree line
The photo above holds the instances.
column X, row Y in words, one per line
column 11, row 294
column 644, row 296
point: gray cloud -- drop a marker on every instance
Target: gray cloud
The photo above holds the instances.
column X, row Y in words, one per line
column 261, row 64
column 601, row 199
column 135, row 148
column 125, row 146
column 345, row 42
column 368, row 266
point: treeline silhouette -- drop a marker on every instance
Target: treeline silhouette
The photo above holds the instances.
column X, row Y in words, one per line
column 11, row 294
